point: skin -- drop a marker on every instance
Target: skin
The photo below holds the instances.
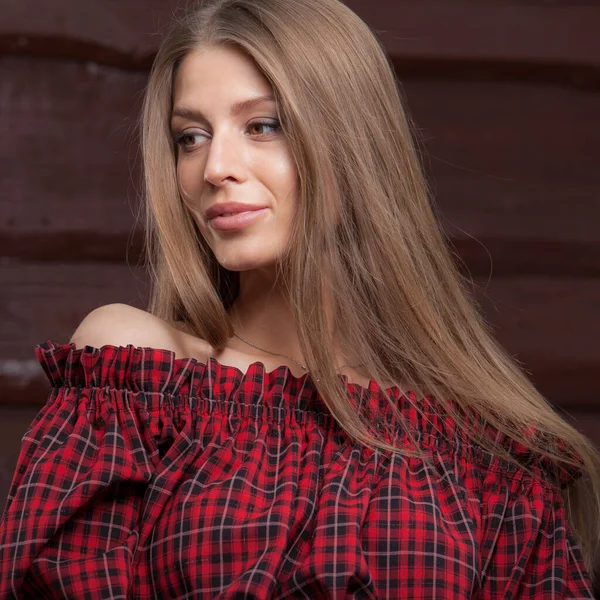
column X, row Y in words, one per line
column 241, row 157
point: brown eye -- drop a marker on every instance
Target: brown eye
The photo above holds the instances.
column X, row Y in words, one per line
column 255, row 126
column 261, row 125
column 185, row 140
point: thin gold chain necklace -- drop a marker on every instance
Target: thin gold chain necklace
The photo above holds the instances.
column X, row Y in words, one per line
column 286, row 356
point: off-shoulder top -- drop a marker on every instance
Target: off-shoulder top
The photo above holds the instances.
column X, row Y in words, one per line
column 149, row 476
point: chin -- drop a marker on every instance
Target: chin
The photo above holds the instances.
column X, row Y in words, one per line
column 250, row 255
column 245, row 264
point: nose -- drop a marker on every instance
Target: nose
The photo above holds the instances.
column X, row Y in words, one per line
column 225, row 160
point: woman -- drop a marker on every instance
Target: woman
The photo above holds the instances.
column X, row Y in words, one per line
column 312, row 406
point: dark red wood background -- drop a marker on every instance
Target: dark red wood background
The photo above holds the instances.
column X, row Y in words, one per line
column 505, row 97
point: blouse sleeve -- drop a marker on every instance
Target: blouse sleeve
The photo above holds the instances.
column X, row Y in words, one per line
column 528, row 547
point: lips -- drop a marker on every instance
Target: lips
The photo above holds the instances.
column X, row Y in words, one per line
column 237, row 221
column 229, row 209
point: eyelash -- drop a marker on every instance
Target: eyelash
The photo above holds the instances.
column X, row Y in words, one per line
column 179, row 137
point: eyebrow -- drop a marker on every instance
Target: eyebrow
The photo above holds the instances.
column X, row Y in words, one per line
column 236, row 109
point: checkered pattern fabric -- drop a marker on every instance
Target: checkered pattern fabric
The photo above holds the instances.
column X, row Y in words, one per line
column 148, row 476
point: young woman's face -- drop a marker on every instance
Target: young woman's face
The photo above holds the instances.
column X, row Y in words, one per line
column 229, row 155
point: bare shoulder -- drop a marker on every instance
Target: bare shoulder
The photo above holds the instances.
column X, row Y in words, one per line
column 121, row 325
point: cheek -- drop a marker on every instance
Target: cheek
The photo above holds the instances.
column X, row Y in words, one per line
column 189, row 185
column 284, row 171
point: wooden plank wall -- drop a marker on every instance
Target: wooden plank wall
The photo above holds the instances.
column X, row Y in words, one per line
column 505, row 102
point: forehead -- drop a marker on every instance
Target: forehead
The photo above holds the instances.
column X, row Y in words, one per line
column 224, row 70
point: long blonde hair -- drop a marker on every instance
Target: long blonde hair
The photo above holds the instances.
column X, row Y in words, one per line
column 365, row 219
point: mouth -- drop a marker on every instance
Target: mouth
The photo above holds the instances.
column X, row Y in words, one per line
column 237, row 220
column 228, row 209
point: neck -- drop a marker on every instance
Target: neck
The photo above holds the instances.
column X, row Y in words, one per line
column 262, row 315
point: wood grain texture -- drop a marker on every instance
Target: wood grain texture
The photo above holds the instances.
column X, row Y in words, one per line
column 429, row 34
column 47, row 301
column 489, row 31
column 124, row 34
column 551, row 326
column 513, row 168
column 69, row 164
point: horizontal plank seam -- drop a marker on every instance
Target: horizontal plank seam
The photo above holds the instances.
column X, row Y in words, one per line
column 570, row 74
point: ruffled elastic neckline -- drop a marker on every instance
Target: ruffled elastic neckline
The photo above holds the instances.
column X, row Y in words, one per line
column 157, row 375
column 131, row 359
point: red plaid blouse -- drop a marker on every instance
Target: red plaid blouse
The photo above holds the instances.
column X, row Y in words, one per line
column 146, row 476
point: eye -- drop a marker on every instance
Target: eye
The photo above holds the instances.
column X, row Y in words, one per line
column 275, row 126
column 185, row 139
